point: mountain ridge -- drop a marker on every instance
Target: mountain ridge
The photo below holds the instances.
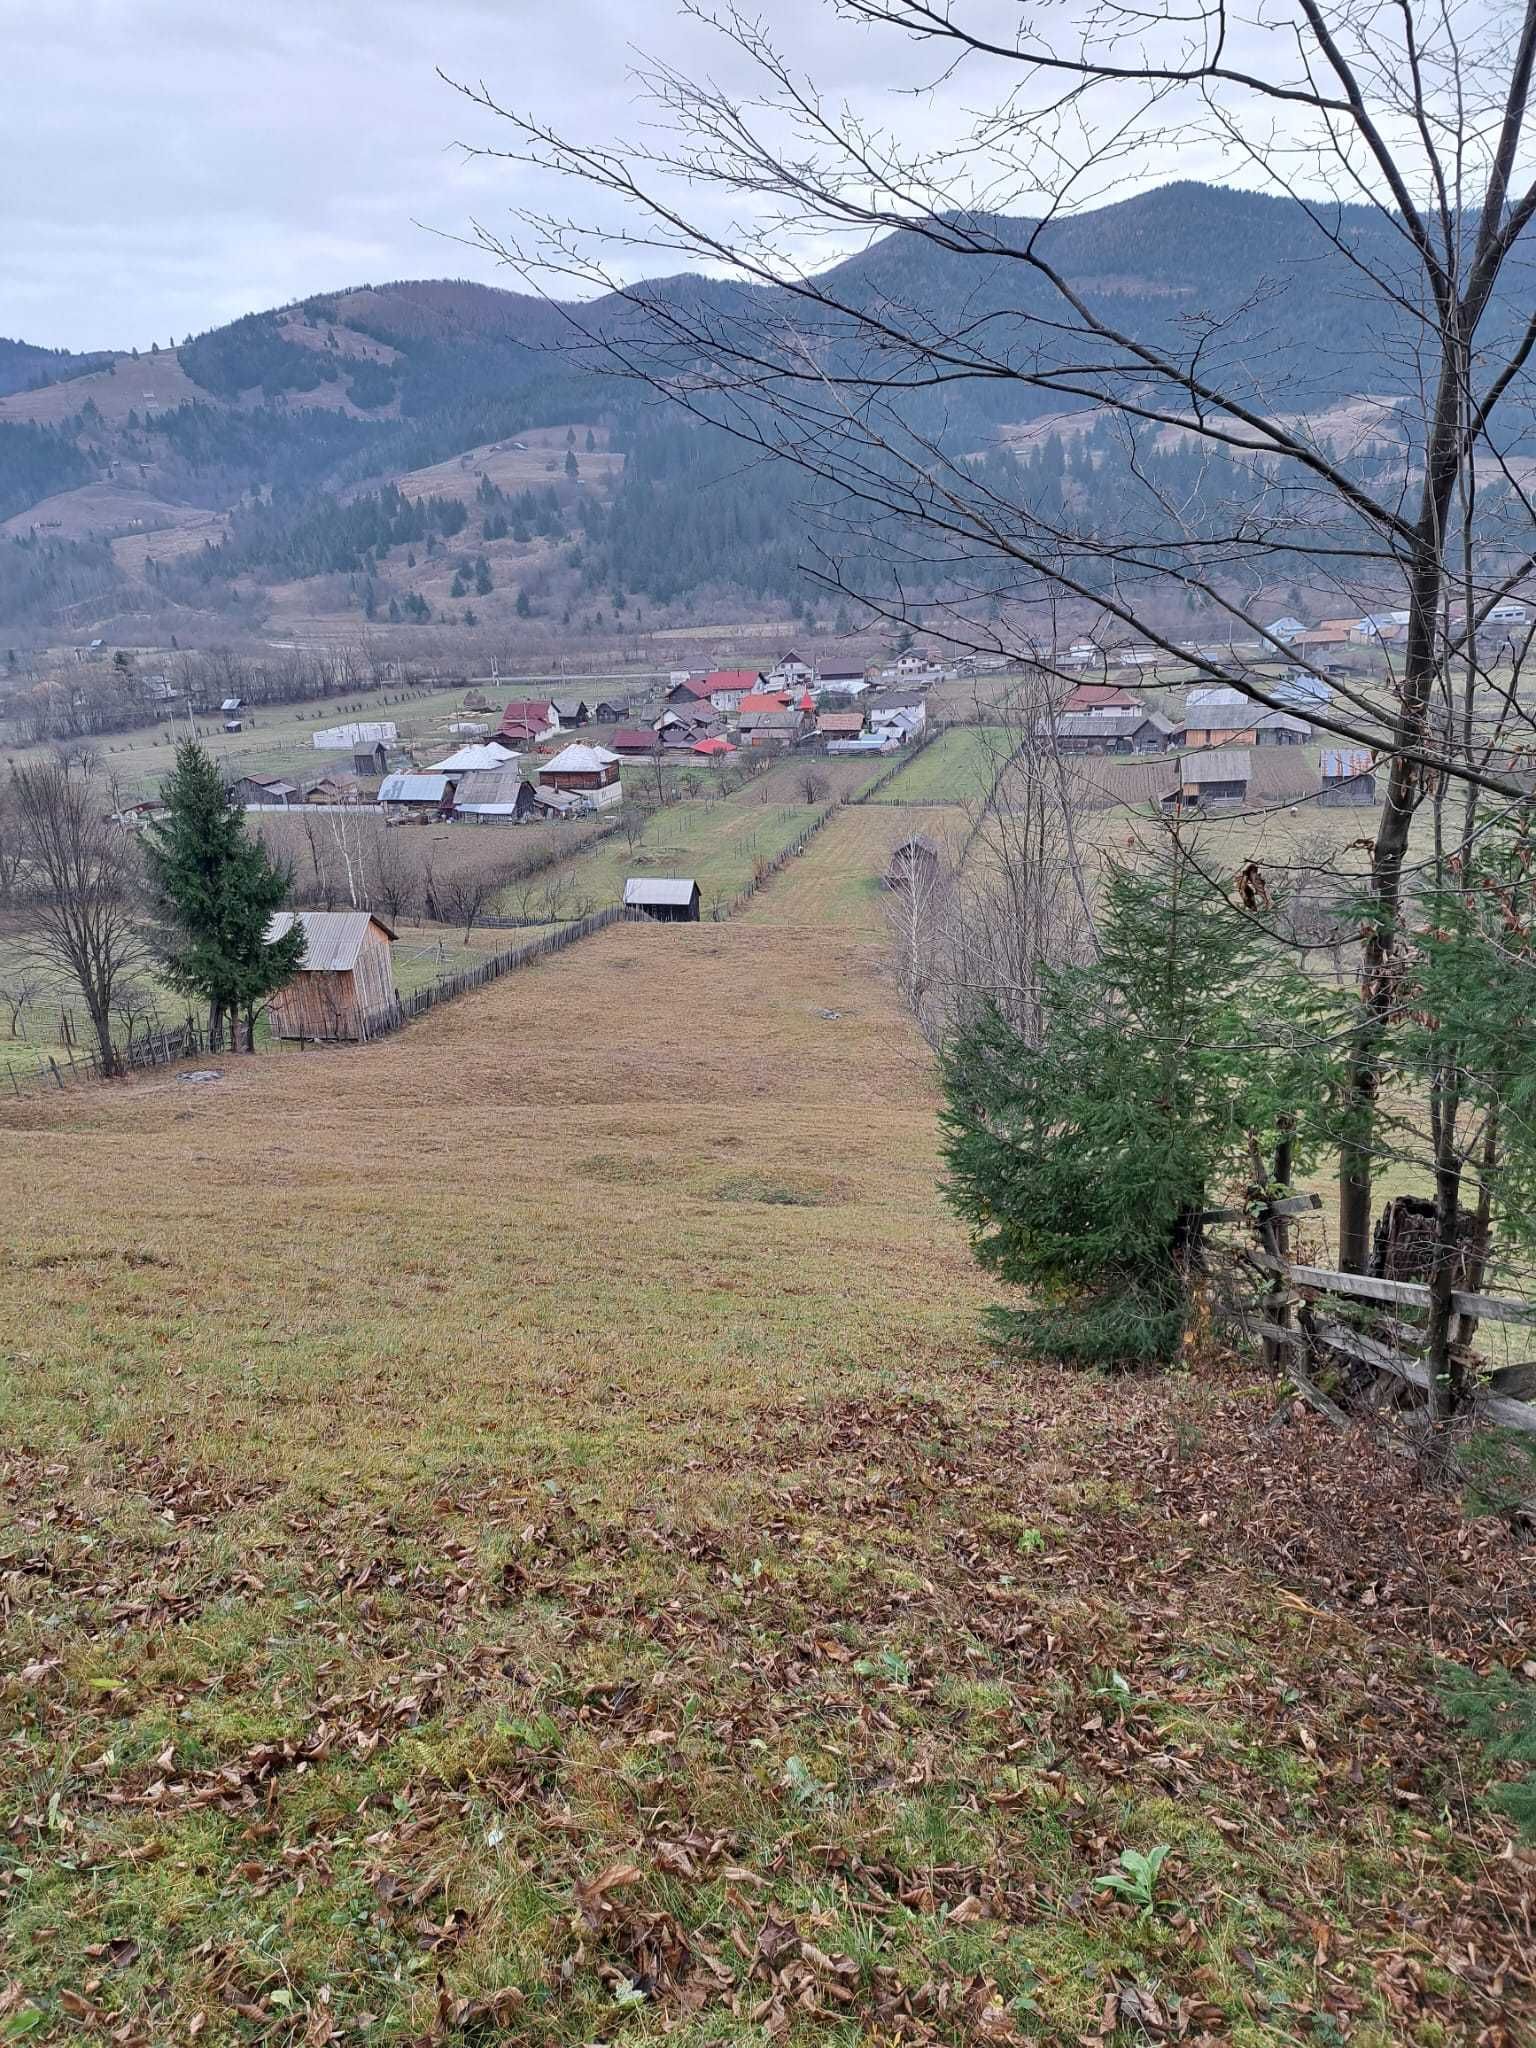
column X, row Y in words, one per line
column 359, row 388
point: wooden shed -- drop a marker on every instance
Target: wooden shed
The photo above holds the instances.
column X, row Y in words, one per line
column 1348, row 777
column 345, row 983
column 914, row 864
column 1209, row 779
column 669, row 899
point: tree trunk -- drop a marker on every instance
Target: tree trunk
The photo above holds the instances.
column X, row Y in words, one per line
column 101, row 1022
column 216, row 1026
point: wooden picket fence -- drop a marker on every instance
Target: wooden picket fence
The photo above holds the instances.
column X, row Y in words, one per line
column 728, row 906
column 380, row 1023
column 161, row 1047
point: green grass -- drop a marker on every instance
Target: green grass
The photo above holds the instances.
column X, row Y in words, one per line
column 719, row 843
column 277, row 740
column 958, row 767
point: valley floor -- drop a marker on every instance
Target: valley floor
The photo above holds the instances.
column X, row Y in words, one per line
column 514, row 1533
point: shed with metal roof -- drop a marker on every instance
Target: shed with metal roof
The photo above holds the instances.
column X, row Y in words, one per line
column 345, row 984
column 668, row 899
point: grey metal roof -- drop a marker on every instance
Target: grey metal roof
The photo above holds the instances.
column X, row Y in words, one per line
column 1227, row 764
column 479, row 754
column 332, row 938
column 487, row 786
column 645, row 890
column 1340, row 763
column 1281, row 721
column 413, row 789
column 1216, row 697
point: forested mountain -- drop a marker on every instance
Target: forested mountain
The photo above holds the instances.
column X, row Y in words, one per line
column 281, row 417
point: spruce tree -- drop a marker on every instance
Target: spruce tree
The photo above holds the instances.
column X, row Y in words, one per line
column 1082, row 1156
column 217, row 892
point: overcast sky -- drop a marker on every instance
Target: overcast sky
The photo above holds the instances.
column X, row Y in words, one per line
column 169, row 164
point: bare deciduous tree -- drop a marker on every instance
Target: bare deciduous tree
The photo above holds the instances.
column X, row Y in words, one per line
column 1400, row 138
column 80, row 889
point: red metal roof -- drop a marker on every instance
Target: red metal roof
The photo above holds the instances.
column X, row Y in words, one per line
column 1098, row 697
column 730, row 679
column 714, row 746
column 765, row 700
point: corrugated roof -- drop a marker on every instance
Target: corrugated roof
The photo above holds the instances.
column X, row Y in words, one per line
column 332, row 938
column 484, row 754
column 1216, row 697
column 1227, row 764
column 579, row 760
column 487, row 786
column 644, row 890
column 1340, row 763
column 413, row 789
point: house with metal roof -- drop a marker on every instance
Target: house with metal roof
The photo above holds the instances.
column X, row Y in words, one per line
column 1210, row 779
column 1348, row 777
column 405, row 794
column 667, row 899
column 478, row 755
column 590, row 772
column 1302, row 689
column 344, row 987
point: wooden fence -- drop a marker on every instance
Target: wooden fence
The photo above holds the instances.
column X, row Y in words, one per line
column 728, row 906
column 1300, row 1313
column 870, row 793
column 380, row 1023
column 161, row 1047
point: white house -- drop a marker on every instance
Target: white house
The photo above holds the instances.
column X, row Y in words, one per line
column 1286, row 628
column 347, row 739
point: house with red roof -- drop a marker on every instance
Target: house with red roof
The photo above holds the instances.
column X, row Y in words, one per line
column 725, row 687
column 634, row 741
column 527, row 719
column 1099, row 697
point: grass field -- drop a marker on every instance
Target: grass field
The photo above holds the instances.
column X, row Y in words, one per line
column 838, row 881
column 511, row 1533
column 957, row 767
column 280, row 739
column 718, row 842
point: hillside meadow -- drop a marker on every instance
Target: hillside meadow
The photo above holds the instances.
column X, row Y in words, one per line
column 513, row 1533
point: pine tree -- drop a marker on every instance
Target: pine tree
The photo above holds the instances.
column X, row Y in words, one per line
column 1082, row 1159
column 482, row 577
column 217, row 891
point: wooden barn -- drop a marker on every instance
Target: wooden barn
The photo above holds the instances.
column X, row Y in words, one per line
column 1349, row 777
column 914, row 864
column 1206, row 780
column 668, row 899
column 345, row 981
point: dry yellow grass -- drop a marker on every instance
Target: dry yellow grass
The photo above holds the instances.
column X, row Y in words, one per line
column 511, row 1533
